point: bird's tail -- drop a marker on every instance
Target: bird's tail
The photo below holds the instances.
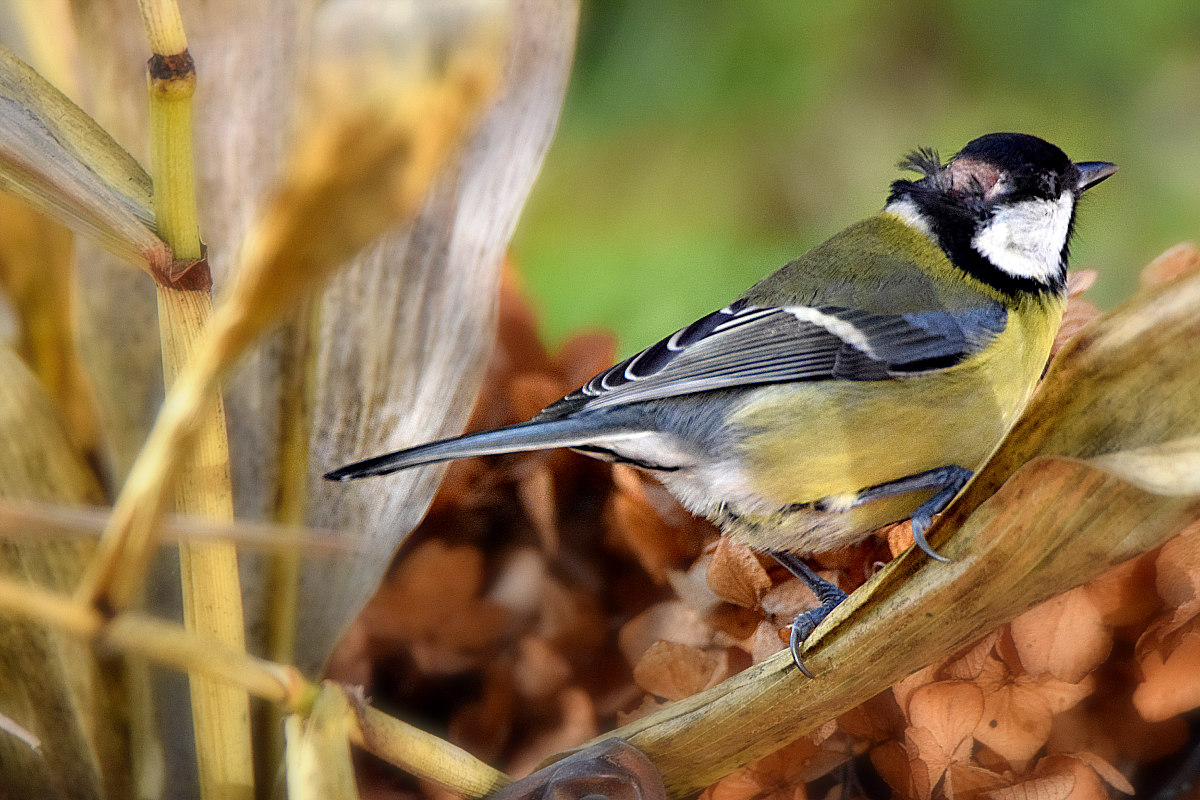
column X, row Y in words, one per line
column 513, row 439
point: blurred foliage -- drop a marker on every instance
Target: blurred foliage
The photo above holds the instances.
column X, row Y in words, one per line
column 705, row 144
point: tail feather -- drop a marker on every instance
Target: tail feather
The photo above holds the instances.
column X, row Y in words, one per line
column 513, row 439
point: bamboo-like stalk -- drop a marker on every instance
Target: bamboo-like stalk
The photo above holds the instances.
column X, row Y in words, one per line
column 164, row 643
column 283, row 574
column 212, row 600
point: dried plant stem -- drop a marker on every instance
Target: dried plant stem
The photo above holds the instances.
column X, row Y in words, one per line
column 164, row 26
column 212, row 600
column 283, row 575
column 423, row 754
column 396, row 742
column 161, row 642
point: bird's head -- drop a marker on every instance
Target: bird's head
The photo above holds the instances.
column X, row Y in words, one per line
column 1002, row 209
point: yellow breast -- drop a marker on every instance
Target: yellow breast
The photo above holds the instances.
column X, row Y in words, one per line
column 826, row 440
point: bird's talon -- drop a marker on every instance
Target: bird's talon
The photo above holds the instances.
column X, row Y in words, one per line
column 918, row 531
column 797, row 639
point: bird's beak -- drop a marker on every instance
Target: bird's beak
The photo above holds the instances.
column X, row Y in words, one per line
column 1092, row 172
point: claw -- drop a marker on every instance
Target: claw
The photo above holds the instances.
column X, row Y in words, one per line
column 805, row 622
column 919, row 526
column 796, row 640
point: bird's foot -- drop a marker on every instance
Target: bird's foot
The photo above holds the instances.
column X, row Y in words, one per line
column 947, row 482
column 952, row 479
column 828, row 594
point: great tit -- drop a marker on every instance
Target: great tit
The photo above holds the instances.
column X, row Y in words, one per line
column 859, row 385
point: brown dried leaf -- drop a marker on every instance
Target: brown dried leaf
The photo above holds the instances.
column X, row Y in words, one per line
column 674, row 671
column 1065, row 637
column 1104, row 770
column 648, row 705
column 942, row 717
column 536, row 493
column 876, row 720
column 1175, row 262
column 485, row 726
column 899, row 538
column 530, row 392
column 741, row 785
column 1078, row 314
column 1125, row 594
column 1080, row 280
column 541, row 670
column 576, row 724
column 903, row 690
column 735, row 622
column 585, row 355
column 736, row 574
column 1019, row 711
column 692, row 587
column 1177, row 578
column 970, row 665
column 891, row 760
column 671, row 621
column 784, row 601
column 647, row 519
column 1059, row 786
column 1062, row 776
column 965, row 781
column 784, row 773
column 1170, row 677
column 767, row 640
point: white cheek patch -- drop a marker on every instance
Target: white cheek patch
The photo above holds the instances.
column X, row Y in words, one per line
column 908, row 213
column 1026, row 239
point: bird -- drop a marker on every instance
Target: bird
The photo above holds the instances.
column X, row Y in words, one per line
column 859, row 385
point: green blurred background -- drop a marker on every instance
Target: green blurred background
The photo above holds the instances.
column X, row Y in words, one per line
column 705, row 144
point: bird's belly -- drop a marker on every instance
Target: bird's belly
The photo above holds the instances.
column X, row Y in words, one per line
column 810, row 449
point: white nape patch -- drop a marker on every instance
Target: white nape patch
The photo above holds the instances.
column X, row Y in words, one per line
column 1026, row 239
column 908, row 213
column 840, row 328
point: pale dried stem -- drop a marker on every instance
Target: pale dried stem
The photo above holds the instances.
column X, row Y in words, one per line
column 164, row 643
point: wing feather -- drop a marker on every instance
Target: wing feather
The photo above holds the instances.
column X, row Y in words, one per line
column 745, row 345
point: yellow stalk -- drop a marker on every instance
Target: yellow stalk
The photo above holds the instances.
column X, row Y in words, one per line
column 283, row 576
column 164, row 643
column 423, row 754
column 212, row 599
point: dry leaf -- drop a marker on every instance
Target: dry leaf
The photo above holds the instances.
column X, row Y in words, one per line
column 540, row 670
column 1175, row 262
column 965, row 781
column 1058, row 786
column 1177, row 577
column 970, row 665
column 674, row 671
column 942, row 717
column 660, row 534
column 56, row 158
column 1125, row 594
column 1171, row 680
column 1065, row 637
column 576, row 724
column 736, row 574
column 1019, row 713
column 669, row 622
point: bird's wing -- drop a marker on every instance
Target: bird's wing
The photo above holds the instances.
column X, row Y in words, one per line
column 745, row 345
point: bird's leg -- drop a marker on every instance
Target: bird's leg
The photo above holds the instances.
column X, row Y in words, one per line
column 947, row 481
column 827, row 593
